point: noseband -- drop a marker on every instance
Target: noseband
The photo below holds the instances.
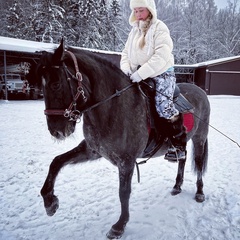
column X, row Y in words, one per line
column 71, row 112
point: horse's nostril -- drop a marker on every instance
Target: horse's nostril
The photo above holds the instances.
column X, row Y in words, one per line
column 61, row 135
column 58, row 135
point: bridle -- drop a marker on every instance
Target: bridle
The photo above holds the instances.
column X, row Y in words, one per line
column 71, row 112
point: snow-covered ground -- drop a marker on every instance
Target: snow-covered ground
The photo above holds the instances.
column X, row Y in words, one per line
column 88, row 193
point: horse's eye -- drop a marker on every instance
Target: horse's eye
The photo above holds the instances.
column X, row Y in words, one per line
column 55, row 86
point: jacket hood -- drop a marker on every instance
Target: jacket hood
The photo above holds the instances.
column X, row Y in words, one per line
column 149, row 4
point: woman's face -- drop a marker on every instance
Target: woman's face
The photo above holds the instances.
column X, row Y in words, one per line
column 141, row 13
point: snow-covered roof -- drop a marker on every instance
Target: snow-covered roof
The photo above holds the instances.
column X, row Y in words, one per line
column 208, row 63
column 19, row 45
column 217, row 61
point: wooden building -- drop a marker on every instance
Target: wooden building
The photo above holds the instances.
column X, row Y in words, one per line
column 217, row 77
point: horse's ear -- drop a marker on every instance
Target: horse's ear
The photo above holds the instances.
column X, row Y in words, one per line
column 59, row 52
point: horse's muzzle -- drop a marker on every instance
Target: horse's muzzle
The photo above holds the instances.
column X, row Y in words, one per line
column 61, row 129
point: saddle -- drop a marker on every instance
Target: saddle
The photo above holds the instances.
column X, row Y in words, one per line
column 157, row 125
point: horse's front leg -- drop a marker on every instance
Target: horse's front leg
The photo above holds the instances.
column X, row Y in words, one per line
column 79, row 154
column 126, row 169
column 179, row 179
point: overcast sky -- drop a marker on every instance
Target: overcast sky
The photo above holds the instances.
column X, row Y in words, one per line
column 222, row 3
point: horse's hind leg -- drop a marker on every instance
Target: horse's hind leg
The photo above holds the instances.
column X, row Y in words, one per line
column 79, row 154
column 200, row 165
column 179, row 179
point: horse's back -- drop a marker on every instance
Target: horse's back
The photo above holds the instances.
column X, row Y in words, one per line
column 193, row 93
column 201, row 112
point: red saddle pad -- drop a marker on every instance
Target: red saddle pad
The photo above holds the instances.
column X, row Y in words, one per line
column 188, row 121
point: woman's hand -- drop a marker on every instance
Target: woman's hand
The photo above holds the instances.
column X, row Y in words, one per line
column 135, row 77
column 128, row 72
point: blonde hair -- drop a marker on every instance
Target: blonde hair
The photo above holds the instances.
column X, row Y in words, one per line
column 144, row 29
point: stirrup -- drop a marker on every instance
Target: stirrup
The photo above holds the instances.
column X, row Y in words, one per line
column 175, row 155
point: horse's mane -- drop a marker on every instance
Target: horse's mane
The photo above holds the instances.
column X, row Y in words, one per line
column 93, row 61
column 90, row 63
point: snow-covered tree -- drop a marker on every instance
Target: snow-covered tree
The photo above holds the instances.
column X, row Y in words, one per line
column 71, row 21
column 194, row 30
column 15, row 21
column 228, row 28
column 46, row 21
column 87, row 21
column 114, row 26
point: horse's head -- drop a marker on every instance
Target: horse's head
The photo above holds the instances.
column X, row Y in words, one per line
column 63, row 92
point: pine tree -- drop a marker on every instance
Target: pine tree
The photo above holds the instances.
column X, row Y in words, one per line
column 15, row 21
column 71, row 21
column 46, row 21
column 92, row 16
column 115, row 26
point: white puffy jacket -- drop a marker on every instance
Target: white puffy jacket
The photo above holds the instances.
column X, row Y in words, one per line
column 155, row 57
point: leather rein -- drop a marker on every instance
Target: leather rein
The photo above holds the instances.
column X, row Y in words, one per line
column 71, row 112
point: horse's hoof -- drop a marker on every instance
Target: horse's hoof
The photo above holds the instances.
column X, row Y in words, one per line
column 53, row 206
column 114, row 234
column 199, row 197
column 176, row 191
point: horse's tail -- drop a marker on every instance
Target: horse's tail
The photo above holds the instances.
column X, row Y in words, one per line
column 200, row 159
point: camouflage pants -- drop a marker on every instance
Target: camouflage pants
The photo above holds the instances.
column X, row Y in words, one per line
column 165, row 85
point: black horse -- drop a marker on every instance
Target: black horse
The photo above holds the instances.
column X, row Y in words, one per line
column 80, row 83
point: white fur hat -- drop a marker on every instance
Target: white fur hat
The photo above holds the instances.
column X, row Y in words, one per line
column 149, row 4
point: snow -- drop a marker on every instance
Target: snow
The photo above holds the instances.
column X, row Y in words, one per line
column 19, row 45
column 211, row 62
column 88, row 193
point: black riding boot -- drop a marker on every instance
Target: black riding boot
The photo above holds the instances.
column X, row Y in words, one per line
column 178, row 138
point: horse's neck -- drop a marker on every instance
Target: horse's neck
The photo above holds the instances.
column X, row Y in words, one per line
column 109, row 93
column 105, row 86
